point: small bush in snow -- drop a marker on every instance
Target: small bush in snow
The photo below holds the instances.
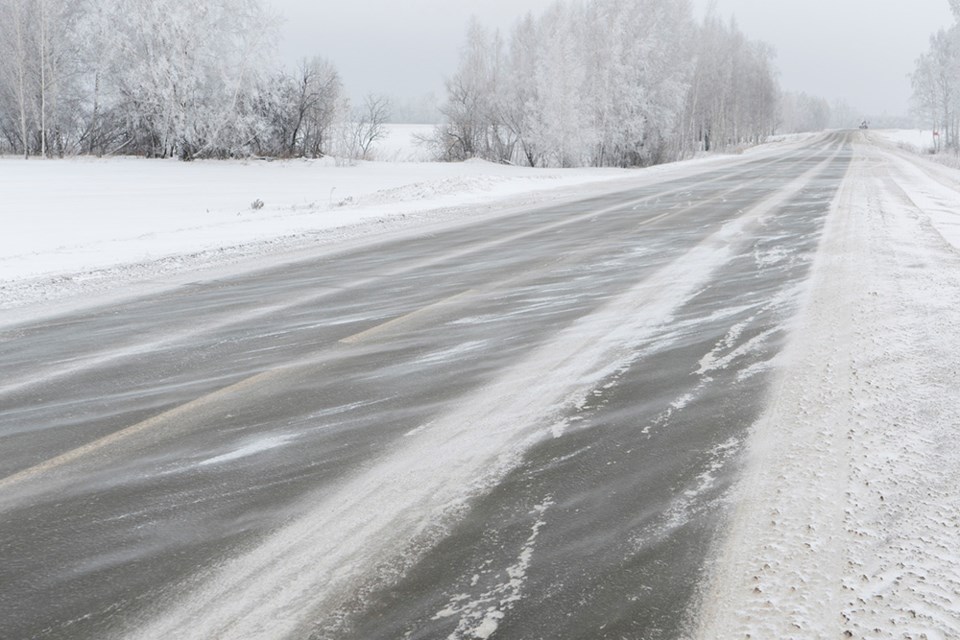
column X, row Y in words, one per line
column 257, row 204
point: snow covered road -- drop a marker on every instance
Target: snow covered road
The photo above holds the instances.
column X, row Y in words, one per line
column 847, row 522
column 593, row 419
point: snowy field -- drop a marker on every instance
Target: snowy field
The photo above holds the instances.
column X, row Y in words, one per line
column 402, row 143
column 917, row 140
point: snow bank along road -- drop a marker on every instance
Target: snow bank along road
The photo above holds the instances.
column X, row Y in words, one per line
column 847, row 521
column 578, row 422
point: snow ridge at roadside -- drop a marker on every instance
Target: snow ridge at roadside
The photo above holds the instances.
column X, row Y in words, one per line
column 845, row 523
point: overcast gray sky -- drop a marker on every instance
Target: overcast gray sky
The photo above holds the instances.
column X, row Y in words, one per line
column 857, row 50
column 400, row 47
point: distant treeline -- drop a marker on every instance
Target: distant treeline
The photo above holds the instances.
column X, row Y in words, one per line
column 162, row 78
column 608, row 82
column 599, row 82
column 936, row 85
column 618, row 83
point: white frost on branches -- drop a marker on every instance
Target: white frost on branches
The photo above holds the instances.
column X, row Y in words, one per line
column 608, row 83
column 159, row 78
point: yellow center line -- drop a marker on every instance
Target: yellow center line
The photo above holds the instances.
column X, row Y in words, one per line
column 118, row 436
column 184, row 410
column 408, row 319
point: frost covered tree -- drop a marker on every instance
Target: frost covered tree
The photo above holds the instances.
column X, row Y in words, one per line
column 15, row 45
column 734, row 94
column 153, row 77
column 519, row 95
column 35, row 74
column 936, row 85
column 558, row 112
column 370, row 122
column 95, row 104
column 801, row 112
column 184, row 73
column 473, row 124
column 639, row 80
column 301, row 110
column 607, row 83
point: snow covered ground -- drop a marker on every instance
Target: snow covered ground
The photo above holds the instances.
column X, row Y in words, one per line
column 847, row 521
column 918, row 140
column 402, row 143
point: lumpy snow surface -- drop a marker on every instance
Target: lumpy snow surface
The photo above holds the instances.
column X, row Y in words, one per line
column 846, row 521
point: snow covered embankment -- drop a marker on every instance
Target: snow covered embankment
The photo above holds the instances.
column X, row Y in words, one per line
column 847, row 521
column 84, row 224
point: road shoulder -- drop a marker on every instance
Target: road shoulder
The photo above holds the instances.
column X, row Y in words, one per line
column 843, row 524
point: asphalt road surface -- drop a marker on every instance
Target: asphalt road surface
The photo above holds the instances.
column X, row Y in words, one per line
column 520, row 428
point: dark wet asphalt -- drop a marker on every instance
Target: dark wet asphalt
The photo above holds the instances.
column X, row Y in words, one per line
column 242, row 403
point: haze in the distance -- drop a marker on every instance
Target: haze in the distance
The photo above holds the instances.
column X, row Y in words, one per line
column 859, row 51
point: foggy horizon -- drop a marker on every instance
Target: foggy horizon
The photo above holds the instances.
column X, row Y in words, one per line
column 858, row 52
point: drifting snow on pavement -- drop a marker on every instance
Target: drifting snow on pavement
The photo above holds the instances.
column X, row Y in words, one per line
column 845, row 523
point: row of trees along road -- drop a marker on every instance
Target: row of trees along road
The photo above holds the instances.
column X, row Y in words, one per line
column 597, row 82
column 608, row 83
column 936, row 84
column 163, row 78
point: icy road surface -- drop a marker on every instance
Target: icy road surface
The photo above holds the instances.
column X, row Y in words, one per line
column 537, row 426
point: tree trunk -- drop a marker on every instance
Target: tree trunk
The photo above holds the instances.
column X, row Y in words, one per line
column 21, row 80
column 43, row 79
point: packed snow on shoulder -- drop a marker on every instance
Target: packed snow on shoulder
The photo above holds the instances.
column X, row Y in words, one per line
column 845, row 523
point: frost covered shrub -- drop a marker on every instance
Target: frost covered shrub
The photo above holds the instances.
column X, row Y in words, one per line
column 158, row 78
